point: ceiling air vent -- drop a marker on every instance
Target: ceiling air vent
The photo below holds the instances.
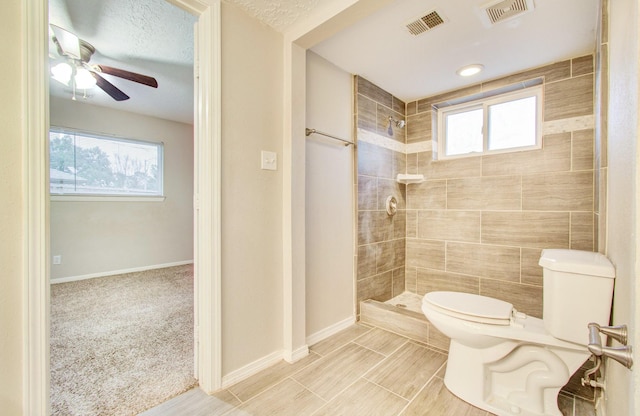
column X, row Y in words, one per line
column 424, row 23
column 502, row 10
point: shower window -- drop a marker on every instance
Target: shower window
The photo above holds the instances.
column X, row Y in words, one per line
column 503, row 123
column 90, row 164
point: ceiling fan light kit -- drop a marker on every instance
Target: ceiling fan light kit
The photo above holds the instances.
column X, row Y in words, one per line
column 76, row 72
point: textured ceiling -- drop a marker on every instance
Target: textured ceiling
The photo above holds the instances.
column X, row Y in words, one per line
column 279, row 14
column 151, row 37
column 381, row 49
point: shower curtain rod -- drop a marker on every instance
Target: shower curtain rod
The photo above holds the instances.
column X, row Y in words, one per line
column 309, row 132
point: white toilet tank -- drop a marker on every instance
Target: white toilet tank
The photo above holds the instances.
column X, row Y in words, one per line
column 578, row 289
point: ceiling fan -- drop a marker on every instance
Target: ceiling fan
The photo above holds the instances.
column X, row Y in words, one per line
column 75, row 68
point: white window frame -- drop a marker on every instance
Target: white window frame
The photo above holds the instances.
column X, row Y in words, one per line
column 110, row 197
column 485, row 103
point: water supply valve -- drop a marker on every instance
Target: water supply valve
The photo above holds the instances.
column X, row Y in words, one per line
column 619, row 333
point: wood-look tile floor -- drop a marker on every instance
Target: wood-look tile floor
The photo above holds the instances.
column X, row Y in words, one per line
column 361, row 371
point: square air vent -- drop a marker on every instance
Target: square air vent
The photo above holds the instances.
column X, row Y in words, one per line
column 502, row 10
column 425, row 22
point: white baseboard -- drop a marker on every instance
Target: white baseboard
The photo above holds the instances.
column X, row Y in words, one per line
column 295, row 355
column 114, row 272
column 251, row 369
column 330, row 330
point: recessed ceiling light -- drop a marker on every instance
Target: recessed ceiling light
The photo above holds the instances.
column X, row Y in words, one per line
column 467, row 71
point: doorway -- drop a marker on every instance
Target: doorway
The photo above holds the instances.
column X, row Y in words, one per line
column 206, row 200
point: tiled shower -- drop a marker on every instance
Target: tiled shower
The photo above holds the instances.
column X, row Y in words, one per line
column 478, row 224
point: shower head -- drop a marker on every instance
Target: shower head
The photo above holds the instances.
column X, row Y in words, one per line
column 399, row 123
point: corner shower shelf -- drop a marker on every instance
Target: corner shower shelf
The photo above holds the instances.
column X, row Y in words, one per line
column 409, row 179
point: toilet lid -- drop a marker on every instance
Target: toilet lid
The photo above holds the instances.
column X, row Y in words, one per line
column 471, row 307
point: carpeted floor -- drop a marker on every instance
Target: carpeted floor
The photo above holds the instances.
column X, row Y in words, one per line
column 121, row 344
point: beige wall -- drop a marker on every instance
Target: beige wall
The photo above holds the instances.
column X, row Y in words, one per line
column 622, row 396
column 329, row 197
column 99, row 237
column 252, row 80
column 12, row 215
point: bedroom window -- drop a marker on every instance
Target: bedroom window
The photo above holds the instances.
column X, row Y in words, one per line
column 503, row 123
column 90, row 164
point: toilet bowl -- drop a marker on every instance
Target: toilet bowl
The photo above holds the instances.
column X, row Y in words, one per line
column 508, row 363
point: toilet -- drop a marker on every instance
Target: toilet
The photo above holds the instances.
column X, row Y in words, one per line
column 508, row 363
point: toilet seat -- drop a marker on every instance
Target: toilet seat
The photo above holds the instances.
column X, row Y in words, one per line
column 470, row 307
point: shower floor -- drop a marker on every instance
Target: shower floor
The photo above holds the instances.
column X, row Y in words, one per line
column 407, row 300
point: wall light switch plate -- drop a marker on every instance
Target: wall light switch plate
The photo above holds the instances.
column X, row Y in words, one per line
column 57, row 259
column 269, row 160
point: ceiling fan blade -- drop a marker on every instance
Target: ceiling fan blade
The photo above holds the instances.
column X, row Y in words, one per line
column 109, row 88
column 131, row 76
column 68, row 43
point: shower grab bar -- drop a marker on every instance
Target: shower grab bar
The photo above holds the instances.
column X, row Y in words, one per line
column 309, row 132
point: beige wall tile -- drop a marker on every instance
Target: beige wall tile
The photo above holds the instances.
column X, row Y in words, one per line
column 582, row 65
column 427, row 103
column 368, row 232
column 582, row 231
column 527, row 299
column 367, row 113
column 419, row 127
column 449, row 225
column 412, row 163
column 410, row 279
column 377, row 287
column 427, row 195
column 569, row 98
column 489, row 192
column 398, row 105
column 399, row 282
column 494, row 262
column 582, row 146
column 390, row 318
column 367, row 193
column 363, row 398
column 399, row 164
column 390, row 255
column 448, row 169
column 337, row 370
column 384, row 128
column 412, row 107
column 367, row 260
column 374, row 160
column 407, row 370
column 434, row 280
column 526, row 229
column 426, row 254
column 412, row 224
column 555, row 156
column 531, row 272
column 554, row 72
column 387, row 188
column 566, row 191
column 375, row 93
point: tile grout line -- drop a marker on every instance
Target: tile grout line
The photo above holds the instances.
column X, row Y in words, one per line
column 423, row 387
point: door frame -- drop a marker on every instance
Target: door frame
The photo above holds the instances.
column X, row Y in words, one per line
column 207, row 209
